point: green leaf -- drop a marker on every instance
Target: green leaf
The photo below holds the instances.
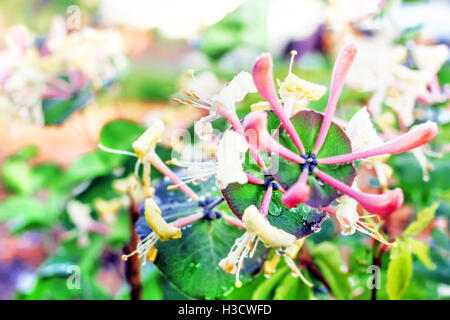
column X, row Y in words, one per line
column 424, row 217
column 188, row 261
column 17, row 176
column 288, row 288
column 399, row 270
column 264, row 290
column 307, row 124
column 421, row 250
column 329, row 260
column 56, row 111
column 299, row 221
column 120, row 134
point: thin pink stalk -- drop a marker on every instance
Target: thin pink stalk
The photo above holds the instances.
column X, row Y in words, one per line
column 340, row 70
column 416, row 137
column 187, row 220
column 233, row 221
column 382, row 204
column 253, row 179
column 264, row 208
column 161, row 167
column 299, row 192
column 237, row 126
column 262, row 77
column 255, row 124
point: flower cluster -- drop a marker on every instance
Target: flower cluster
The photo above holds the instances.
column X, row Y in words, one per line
column 226, row 162
column 54, row 67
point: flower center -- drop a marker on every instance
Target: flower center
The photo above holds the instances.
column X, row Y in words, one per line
column 269, row 181
column 310, row 162
column 208, row 204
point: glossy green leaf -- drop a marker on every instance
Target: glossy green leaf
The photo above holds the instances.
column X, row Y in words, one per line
column 264, row 290
column 399, row 270
column 300, row 221
column 329, row 260
column 307, row 124
column 188, row 261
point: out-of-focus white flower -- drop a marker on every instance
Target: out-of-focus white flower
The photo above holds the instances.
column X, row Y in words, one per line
column 363, row 136
column 361, row 132
column 412, row 84
column 79, row 213
column 98, row 53
column 430, row 58
column 341, row 13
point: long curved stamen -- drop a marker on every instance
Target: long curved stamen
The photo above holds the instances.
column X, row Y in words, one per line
column 106, row 149
column 368, row 229
column 382, row 204
column 255, row 124
column 295, row 269
column 418, row 136
column 341, row 67
column 264, row 208
column 299, row 192
column 161, row 167
column 262, row 77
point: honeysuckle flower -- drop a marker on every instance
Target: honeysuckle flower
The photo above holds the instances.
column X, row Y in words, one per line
column 223, row 104
column 108, row 209
column 144, row 148
column 79, row 213
column 258, row 228
column 296, row 92
column 350, row 221
column 81, row 51
column 411, row 84
column 375, row 203
column 363, row 136
column 161, row 231
column 226, row 166
column 130, row 187
column 431, row 59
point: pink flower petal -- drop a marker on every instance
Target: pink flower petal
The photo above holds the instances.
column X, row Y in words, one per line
column 418, row 136
column 262, row 76
column 255, row 126
column 382, row 204
column 299, row 192
column 340, row 70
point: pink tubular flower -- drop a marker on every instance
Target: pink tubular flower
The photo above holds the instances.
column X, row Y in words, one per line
column 299, row 192
column 255, row 126
column 418, row 136
column 262, row 76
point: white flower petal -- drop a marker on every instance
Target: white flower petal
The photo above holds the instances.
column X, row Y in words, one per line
column 230, row 156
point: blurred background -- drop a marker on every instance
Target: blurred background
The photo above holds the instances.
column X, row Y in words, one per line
column 68, row 69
